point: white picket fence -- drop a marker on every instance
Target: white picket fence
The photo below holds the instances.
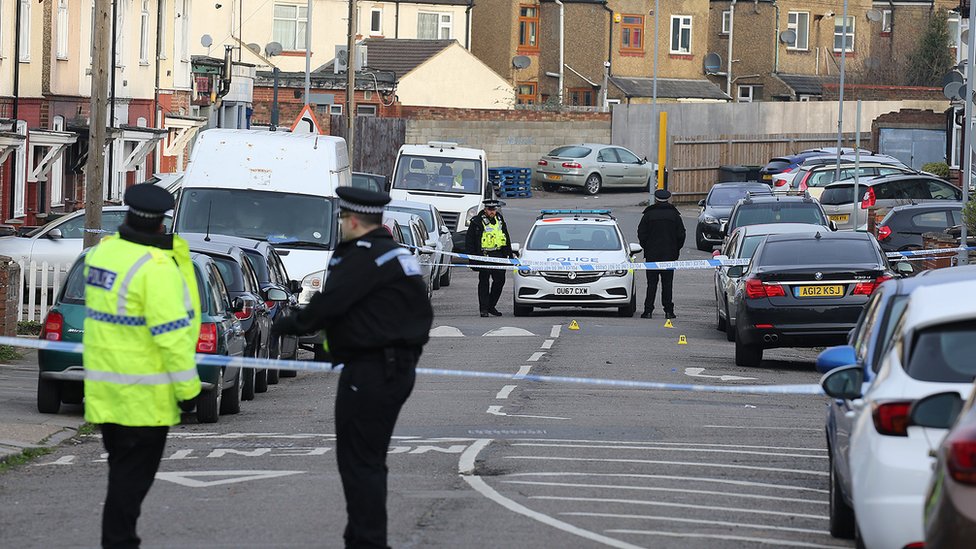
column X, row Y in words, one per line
column 42, row 283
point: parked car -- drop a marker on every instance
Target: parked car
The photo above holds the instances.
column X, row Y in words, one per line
column 780, row 173
column 758, row 210
column 439, row 236
column 803, row 290
column 742, row 244
column 592, row 167
column 370, row 181
column 238, row 274
column 717, row 206
column 815, row 178
column 414, row 234
column 866, row 345
column 903, row 227
column 883, row 193
column 931, row 352
column 61, row 375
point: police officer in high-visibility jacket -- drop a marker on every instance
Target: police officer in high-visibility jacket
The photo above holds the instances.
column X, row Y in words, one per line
column 141, row 329
column 488, row 236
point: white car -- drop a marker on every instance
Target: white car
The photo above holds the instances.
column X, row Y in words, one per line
column 439, row 236
column 578, row 236
column 931, row 351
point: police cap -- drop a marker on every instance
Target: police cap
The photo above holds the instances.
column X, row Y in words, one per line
column 148, row 200
column 364, row 201
column 493, row 203
column 662, row 195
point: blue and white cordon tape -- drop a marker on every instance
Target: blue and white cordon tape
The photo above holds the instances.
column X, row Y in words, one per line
column 309, row 366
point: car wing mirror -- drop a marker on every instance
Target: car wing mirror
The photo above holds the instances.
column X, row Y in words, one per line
column 54, row 234
column 938, row 411
column 736, row 271
column 836, row 357
column 295, row 286
column 904, row 268
column 276, row 294
column 634, row 248
column 516, row 248
column 238, row 305
column 701, row 203
column 832, row 225
column 432, row 243
column 844, row 383
column 723, row 228
column 445, row 229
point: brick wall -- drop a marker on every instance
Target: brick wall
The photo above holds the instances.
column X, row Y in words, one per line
column 865, row 92
column 9, row 279
column 290, row 105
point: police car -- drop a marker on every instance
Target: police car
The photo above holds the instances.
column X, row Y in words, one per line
column 577, row 236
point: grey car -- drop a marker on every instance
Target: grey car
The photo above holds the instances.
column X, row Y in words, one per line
column 592, row 167
column 882, row 193
column 439, row 235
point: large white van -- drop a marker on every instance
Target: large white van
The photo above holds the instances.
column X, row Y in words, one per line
column 272, row 186
column 453, row 179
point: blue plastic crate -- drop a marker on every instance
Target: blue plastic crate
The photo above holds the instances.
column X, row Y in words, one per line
column 515, row 194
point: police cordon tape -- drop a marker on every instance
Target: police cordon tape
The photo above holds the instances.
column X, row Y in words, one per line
column 309, row 366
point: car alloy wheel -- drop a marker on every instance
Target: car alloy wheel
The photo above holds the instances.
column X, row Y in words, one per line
column 593, row 184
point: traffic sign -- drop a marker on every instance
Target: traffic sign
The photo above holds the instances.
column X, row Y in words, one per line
column 306, row 122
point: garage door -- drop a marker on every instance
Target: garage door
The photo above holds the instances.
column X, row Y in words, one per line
column 914, row 147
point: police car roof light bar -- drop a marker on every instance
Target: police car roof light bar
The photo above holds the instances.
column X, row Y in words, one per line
column 575, row 213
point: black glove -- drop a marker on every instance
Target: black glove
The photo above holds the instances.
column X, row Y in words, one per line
column 187, row 405
column 287, row 325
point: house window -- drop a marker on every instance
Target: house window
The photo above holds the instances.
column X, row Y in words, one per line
column 582, row 97
column 184, row 42
column 529, row 27
column 119, row 34
column 526, row 93
column 62, row 28
column 376, row 21
column 840, row 40
column 434, row 26
column 680, row 34
column 886, row 23
column 632, row 33
column 726, row 21
column 745, row 94
column 366, row 110
column 1, row 32
column 144, row 34
column 953, row 22
column 160, row 38
column 335, row 109
column 57, row 170
column 290, row 22
column 804, row 98
column 25, row 27
column 799, row 22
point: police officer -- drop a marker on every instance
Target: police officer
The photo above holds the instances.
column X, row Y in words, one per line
column 141, row 329
column 376, row 316
column 661, row 234
column 488, row 235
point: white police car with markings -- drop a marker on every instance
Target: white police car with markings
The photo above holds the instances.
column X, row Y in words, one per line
column 575, row 237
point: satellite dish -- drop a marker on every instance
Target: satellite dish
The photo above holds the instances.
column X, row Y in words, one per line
column 254, row 48
column 521, row 62
column 874, row 15
column 788, row 37
column 712, row 63
column 953, row 76
column 953, row 91
column 272, row 49
column 206, row 40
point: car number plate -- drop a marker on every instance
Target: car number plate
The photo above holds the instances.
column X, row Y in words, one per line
column 839, row 218
column 553, row 176
column 572, row 290
column 767, row 176
column 820, row 291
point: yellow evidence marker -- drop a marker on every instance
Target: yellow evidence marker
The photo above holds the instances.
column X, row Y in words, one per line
column 682, row 340
column 574, row 325
column 667, row 324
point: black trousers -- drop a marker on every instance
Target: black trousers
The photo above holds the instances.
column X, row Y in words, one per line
column 370, row 394
column 133, row 459
column 667, row 284
column 490, row 284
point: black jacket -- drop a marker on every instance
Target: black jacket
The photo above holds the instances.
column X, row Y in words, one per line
column 661, row 232
column 374, row 297
column 472, row 240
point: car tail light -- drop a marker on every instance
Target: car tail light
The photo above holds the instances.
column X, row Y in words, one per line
column 53, row 326
column 915, row 545
column 891, row 418
column 869, row 199
column 764, row 326
column 884, row 232
column 803, row 182
column 572, row 165
column 244, row 313
column 543, row 163
column 780, row 183
column 960, row 448
column 868, row 288
column 756, row 289
column 270, row 304
column 207, row 342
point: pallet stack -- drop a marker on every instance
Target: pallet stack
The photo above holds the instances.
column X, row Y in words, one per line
column 511, row 182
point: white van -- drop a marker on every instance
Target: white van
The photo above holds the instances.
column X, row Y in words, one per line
column 272, row 186
column 453, row 179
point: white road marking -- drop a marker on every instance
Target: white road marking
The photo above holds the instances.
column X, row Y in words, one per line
column 706, row 522
column 658, row 489
column 189, row 478
column 446, row 331
column 506, row 390
column 536, row 356
column 507, row 331
column 555, row 330
column 523, row 371
column 763, row 428
column 63, row 460
column 181, row 454
column 697, row 372
column 688, row 463
column 785, row 448
column 674, row 477
column 668, row 449
column 775, row 542
column 466, row 469
column 547, row 344
column 496, row 411
column 790, row 514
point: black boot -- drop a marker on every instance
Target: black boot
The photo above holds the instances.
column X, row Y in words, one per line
column 494, row 312
column 484, row 314
column 647, row 314
column 669, row 315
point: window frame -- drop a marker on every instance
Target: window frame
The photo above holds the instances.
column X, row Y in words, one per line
column 25, row 34
column 740, row 98
column 795, row 27
column 378, row 29
column 726, row 22
column 293, row 21
column 576, row 96
column 685, row 22
column 887, row 16
column 631, row 27
column 522, row 98
column 335, row 109
column 120, row 34
column 161, row 24
column 839, row 31
column 61, row 30
column 526, row 22
column 360, row 107
column 440, row 24
column 144, row 33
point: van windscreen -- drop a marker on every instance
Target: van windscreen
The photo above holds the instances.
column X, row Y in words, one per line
column 438, row 174
column 289, row 220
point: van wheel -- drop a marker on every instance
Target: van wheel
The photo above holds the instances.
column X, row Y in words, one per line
column 231, row 397
column 747, row 355
column 48, row 396
column 208, row 405
column 592, row 185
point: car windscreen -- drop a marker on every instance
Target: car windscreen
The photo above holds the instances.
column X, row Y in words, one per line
column 728, row 196
column 574, row 237
column 74, row 286
column 231, row 272
column 837, row 195
column 777, row 165
column 423, row 213
column 944, row 353
column 290, row 220
column 362, row 181
column 570, row 151
column 818, row 252
column 438, row 173
column 777, row 212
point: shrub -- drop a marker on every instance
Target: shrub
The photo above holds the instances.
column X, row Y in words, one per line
column 969, row 215
column 940, row 169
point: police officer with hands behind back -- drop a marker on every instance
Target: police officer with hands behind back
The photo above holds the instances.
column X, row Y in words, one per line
column 376, row 316
column 488, row 235
column 141, row 329
column 661, row 234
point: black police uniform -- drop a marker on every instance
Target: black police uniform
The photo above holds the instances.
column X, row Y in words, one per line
column 661, row 234
column 376, row 316
column 490, row 281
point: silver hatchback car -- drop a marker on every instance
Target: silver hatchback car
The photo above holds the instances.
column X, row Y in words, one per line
column 882, row 193
column 593, row 166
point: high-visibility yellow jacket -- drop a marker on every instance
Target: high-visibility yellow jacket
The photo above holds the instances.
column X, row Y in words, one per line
column 141, row 330
column 493, row 238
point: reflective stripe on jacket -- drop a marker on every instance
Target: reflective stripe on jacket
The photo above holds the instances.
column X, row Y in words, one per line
column 494, row 237
column 141, row 329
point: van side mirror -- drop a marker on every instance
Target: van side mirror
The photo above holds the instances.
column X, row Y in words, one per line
column 938, row 411
column 904, row 268
column 844, row 383
column 295, row 286
column 833, row 226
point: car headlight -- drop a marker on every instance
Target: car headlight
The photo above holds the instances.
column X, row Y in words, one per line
column 528, row 272
column 709, row 220
column 472, row 211
column 310, row 285
column 621, row 272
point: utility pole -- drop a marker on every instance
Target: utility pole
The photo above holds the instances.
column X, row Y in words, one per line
column 95, row 168
column 351, row 83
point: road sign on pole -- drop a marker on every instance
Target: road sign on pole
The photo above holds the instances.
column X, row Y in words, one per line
column 306, row 122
